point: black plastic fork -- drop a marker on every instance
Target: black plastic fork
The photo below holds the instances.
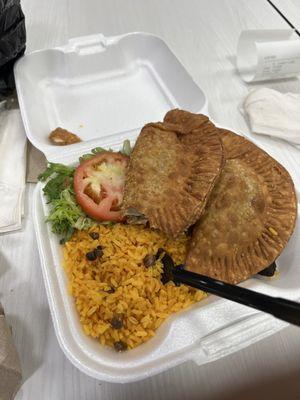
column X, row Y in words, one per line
column 286, row 310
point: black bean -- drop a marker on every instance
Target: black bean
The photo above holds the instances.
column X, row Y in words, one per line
column 149, row 260
column 94, row 235
column 94, row 254
column 91, row 255
column 117, row 322
column 168, row 266
column 120, row 346
column 99, row 251
column 62, row 241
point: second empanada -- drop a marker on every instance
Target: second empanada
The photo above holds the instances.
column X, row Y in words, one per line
column 172, row 171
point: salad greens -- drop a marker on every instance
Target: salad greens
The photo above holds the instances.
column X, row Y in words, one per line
column 61, row 178
column 65, row 214
column 126, row 151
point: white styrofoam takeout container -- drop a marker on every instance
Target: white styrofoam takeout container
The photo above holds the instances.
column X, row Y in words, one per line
column 105, row 89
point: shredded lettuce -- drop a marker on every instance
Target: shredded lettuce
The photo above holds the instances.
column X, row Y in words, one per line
column 126, row 151
column 58, row 177
column 93, row 152
column 65, row 215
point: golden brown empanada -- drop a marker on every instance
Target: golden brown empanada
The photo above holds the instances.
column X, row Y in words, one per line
column 171, row 173
column 250, row 215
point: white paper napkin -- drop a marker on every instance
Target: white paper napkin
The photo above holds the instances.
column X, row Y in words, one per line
column 275, row 114
column 12, row 169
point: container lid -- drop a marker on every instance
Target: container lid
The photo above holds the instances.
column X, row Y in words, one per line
column 104, row 89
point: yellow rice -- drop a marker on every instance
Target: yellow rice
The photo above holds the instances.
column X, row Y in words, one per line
column 118, row 283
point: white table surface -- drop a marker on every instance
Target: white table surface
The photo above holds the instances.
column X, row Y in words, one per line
column 203, row 34
column 291, row 10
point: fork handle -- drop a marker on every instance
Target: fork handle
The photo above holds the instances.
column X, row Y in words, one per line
column 286, row 310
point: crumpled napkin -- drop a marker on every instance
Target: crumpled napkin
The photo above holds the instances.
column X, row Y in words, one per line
column 275, row 114
column 10, row 369
column 12, row 169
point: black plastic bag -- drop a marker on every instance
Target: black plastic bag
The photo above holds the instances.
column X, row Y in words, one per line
column 12, row 41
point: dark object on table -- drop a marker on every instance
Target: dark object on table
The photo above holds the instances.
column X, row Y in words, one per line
column 269, row 271
column 12, row 42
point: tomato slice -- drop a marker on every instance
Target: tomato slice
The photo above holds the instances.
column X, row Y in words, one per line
column 99, row 185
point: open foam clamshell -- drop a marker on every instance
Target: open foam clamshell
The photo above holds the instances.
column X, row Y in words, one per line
column 105, row 89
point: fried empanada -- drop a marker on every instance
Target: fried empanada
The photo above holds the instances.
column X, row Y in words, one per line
column 250, row 215
column 171, row 173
